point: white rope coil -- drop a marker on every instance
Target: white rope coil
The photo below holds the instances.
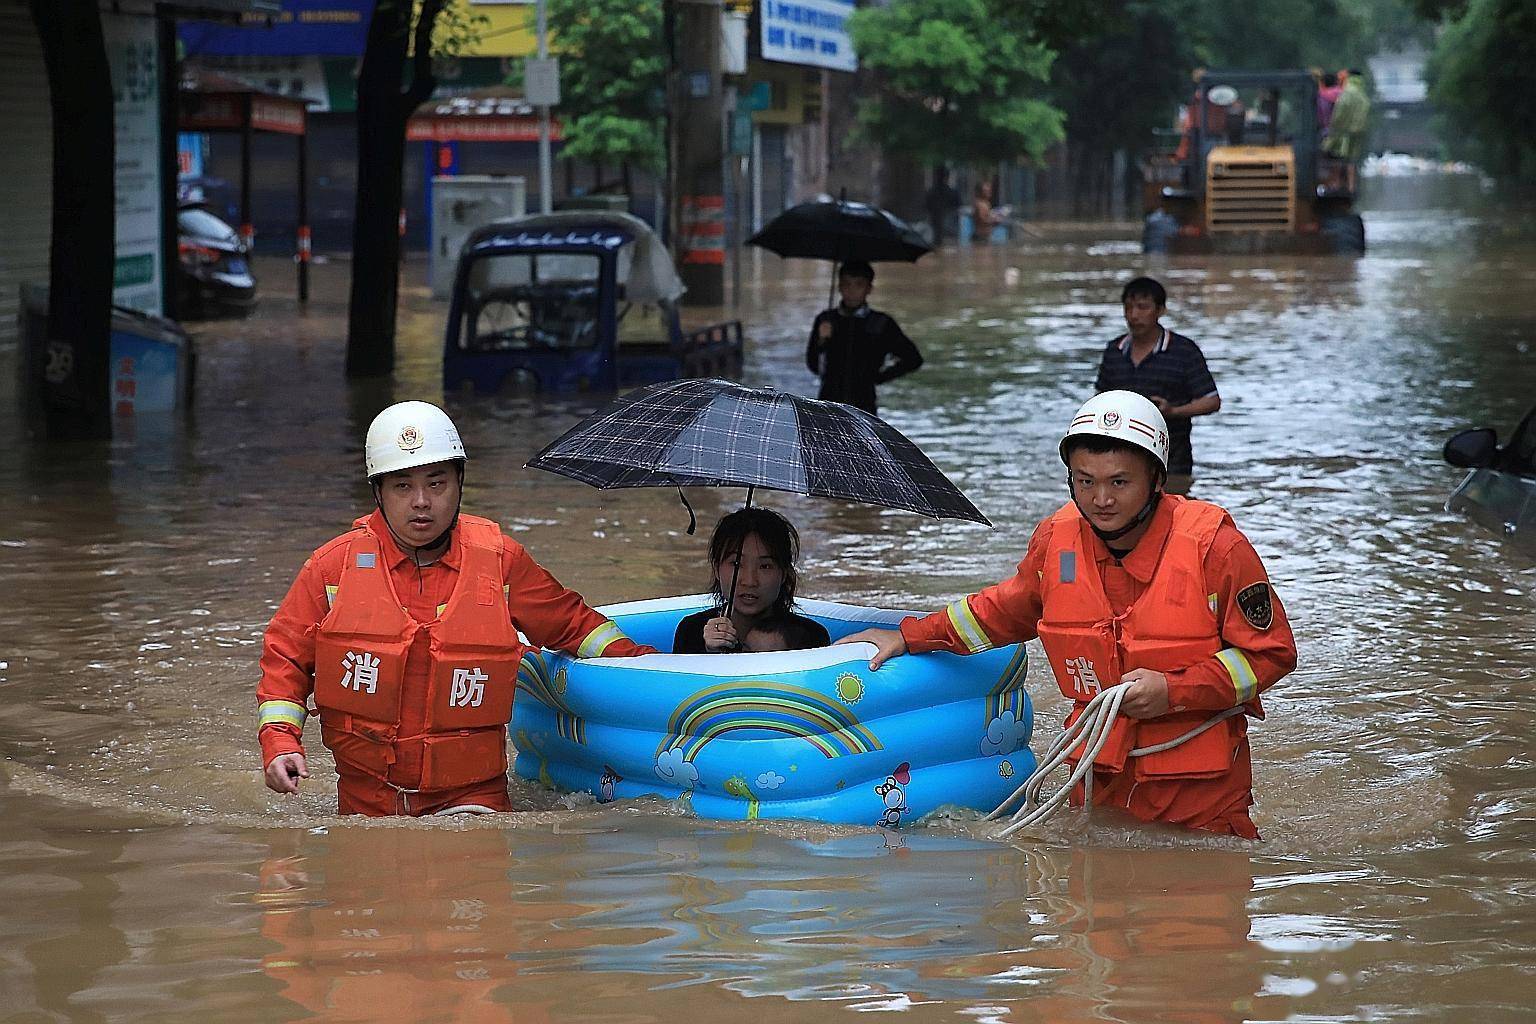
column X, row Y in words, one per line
column 1095, row 723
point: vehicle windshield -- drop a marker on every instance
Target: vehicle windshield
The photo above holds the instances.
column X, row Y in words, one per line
column 1520, row 453
column 1268, row 116
column 531, row 300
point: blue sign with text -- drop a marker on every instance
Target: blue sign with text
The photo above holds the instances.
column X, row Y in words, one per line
column 810, row 32
column 304, row 28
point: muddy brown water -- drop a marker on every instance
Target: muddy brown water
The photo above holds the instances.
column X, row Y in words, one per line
column 148, row 875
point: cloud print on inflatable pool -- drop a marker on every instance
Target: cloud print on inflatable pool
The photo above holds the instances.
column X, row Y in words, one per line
column 671, row 766
column 1005, row 734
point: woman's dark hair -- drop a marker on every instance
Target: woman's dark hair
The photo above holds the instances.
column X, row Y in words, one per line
column 778, row 536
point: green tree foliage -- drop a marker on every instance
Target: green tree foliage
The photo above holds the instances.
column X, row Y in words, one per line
column 1117, row 85
column 955, row 82
column 1276, row 34
column 1483, row 80
column 456, row 27
column 1391, row 25
column 1056, row 24
column 612, row 69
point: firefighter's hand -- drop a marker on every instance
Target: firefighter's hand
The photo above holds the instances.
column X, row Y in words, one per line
column 284, row 772
column 720, row 635
column 1146, row 693
column 889, row 643
column 824, row 332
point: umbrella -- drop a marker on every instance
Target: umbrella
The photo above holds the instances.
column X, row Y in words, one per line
column 714, row 433
column 841, row 230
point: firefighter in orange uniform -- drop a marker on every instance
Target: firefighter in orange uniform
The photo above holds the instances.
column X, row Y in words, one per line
column 1126, row 585
column 405, row 632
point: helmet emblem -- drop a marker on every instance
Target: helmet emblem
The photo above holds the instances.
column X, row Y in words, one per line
column 1110, row 420
column 410, row 439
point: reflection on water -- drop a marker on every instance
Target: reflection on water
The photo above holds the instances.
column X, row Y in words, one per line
column 154, row 876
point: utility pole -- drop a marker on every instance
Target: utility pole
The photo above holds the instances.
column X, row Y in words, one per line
column 546, row 165
column 698, row 171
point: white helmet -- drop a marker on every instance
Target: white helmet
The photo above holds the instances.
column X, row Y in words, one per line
column 1122, row 416
column 410, row 434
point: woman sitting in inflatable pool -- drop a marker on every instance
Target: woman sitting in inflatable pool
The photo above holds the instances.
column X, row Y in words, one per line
column 754, row 550
column 802, row 733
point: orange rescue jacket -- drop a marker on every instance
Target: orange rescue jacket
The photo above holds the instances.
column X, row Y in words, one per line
column 360, row 665
column 1170, row 627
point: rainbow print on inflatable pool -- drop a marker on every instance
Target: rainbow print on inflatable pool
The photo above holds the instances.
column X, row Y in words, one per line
column 797, row 734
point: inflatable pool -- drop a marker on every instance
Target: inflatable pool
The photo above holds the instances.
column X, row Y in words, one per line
column 797, row 734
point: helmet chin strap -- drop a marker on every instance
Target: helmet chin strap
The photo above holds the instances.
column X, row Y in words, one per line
column 1113, row 535
column 417, row 549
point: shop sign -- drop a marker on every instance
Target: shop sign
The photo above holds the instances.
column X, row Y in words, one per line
column 809, row 32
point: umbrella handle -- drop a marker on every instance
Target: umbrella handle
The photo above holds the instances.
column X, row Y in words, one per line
column 730, row 597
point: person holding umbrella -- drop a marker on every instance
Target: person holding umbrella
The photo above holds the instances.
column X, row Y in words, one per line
column 854, row 348
column 752, row 560
column 1128, row 586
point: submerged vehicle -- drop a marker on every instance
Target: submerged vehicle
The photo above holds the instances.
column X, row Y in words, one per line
column 213, row 270
column 1249, row 173
column 574, row 301
column 792, row 734
column 1499, row 491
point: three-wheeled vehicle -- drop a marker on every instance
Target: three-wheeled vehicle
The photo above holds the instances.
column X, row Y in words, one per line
column 574, row 301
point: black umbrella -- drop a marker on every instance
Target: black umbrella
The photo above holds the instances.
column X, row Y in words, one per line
column 714, row 433
column 841, row 230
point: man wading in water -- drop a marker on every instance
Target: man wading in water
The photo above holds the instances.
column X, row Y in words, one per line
column 1127, row 585
column 404, row 630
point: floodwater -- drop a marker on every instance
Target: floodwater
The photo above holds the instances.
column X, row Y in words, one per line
column 148, row 875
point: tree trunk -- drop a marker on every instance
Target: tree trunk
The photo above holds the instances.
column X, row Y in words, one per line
column 70, row 381
column 384, row 106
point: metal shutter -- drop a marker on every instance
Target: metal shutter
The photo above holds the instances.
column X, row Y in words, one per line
column 26, row 162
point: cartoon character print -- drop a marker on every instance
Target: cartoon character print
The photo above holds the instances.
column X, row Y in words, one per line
column 895, row 796
column 609, row 779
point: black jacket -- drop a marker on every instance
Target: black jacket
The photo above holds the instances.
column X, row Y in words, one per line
column 866, row 349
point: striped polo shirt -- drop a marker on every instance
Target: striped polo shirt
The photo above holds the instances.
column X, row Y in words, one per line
column 1174, row 370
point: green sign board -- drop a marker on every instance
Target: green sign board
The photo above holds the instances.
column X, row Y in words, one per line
column 741, row 132
column 132, row 270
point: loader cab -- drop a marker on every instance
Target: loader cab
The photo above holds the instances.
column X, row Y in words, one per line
column 1247, row 172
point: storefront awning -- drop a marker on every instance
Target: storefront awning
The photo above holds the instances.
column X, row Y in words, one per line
column 211, row 102
column 485, row 115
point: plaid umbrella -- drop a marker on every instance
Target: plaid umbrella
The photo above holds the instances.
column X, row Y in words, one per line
column 714, row 433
